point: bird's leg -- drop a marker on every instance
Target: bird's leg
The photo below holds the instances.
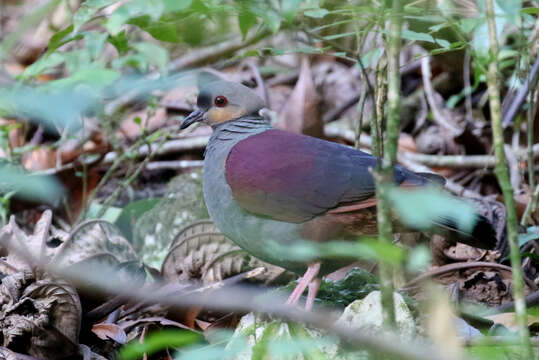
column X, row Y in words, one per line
column 311, row 295
column 307, row 278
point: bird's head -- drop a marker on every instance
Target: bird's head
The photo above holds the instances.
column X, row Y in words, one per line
column 222, row 101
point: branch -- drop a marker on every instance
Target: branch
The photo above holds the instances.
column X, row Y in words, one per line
column 384, row 177
column 465, row 161
column 519, row 99
column 503, row 178
column 215, row 52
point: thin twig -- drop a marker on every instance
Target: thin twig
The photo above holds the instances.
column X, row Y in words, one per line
column 460, row 266
column 174, row 164
column 215, row 52
column 467, row 87
column 519, row 99
column 531, row 207
column 124, row 184
column 493, row 84
column 439, row 118
column 359, row 114
column 465, row 161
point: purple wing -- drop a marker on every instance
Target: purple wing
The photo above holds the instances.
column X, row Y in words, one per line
column 293, row 178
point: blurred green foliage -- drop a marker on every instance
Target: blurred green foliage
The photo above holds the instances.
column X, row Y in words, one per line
column 158, row 341
column 146, row 34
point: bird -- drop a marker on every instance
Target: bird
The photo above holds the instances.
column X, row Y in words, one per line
column 269, row 189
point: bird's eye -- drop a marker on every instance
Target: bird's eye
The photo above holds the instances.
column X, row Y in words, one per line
column 220, row 101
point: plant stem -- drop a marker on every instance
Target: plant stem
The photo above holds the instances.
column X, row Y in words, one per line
column 503, row 178
column 385, row 178
column 531, row 159
column 360, row 110
column 378, row 114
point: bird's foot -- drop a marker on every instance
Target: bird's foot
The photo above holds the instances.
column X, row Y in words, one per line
column 309, row 279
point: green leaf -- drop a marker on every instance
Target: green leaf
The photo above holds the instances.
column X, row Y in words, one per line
column 438, row 27
column 45, row 62
column 30, row 187
column 177, row 5
column 370, row 59
column 339, row 36
column 119, row 41
column 261, row 348
column 357, row 284
column 415, row 36
column 289, row 9
column 311, row 350
column 421, row 209
column 155, row 54
column 94, row 42
column 57, row 39
column 135, row 8
column 158, row 341
column 443, row 43
column 368, row 249
column 532, row 233
column 530, row 10
column 111, row 213
column 419, row 259
column 316, row 13
column 272, row 20
column 469, row 24
column 160, row 30
column 246, row 20
column 96, row 78
column 131, row 212
column 506, row 12
column 87, row 10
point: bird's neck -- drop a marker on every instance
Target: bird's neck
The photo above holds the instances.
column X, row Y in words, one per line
column 231, row 132
column 248, row 124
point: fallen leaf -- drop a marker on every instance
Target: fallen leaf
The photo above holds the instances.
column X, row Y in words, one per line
column 110, row 331
column 39, row 159
column 132, row 130
column 300, row 114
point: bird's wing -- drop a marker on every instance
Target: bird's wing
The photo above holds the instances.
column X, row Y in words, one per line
column 293, row 178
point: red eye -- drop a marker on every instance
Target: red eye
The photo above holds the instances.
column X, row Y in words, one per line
column 220, row 101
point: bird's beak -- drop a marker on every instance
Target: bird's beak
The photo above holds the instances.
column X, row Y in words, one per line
column 194, row 117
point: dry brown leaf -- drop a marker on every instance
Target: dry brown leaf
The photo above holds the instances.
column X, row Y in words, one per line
column 130, row 129
column 154, row 319
column 24, row 251
column 407, row 143
column 110, row 331
column 300, row 114
column 201, row 252
column 42, row 317
column 463, row 252
column 95, row 240
column 487, row 287
column 39, row 159
column 202, row 324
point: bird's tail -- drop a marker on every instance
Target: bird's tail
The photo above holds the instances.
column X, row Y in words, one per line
column 481, row 234
column 432, row 210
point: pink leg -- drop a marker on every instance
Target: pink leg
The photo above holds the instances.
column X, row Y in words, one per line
column 310, row 274
column 311, row 295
